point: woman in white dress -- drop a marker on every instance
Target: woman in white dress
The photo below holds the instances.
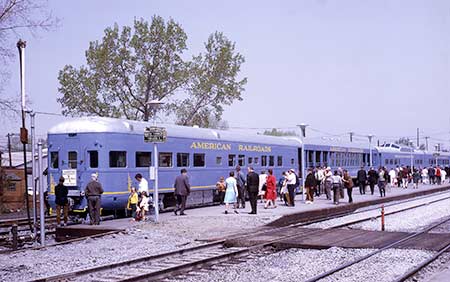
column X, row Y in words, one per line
column 230, row 192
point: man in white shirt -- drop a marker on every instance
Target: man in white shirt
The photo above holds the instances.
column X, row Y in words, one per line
column 143, row 184
column 291, row 182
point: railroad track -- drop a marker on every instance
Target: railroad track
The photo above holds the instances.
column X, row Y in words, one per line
column 421, row 266
column 157, row 267
column 390, row 245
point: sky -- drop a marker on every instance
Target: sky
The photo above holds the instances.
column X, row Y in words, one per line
column 368, row 66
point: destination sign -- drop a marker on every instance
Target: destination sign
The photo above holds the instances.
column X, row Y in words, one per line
column 155, row 134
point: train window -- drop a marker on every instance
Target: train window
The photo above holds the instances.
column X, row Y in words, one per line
column 241, row 160
column 117, row 159
column 256, row 161
column 263, row 160
column 391, row 161
column 73, row 159
column 292, row 161
column 231, row 160
column 279, row 160
column 183, row 159
column 93, row 159
column 325, row 157
column 250, row 160
column 143, row 159
column 165, row 159
column 386, row 161
column 218, row 160
column 54, row 160
column 317, row 157
column 199, row 159
column 271, row 160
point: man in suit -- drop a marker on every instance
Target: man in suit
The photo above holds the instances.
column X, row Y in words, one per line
column 182, row 191
column 362, row 178
column 252, row 188
column 240, row 181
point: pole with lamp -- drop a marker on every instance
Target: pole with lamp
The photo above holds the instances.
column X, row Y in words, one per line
column 156, row 134
column 370, row 136
column 23, row 130
column 302, row 127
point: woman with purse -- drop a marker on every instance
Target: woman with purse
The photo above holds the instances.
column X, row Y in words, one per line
column 271, row 193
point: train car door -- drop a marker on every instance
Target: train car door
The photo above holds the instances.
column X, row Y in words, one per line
column 72, row 165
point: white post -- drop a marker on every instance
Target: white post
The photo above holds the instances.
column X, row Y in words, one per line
column 21, row 45
column 41, row 194
column 155, row 104
column 155, row 188
column 33, row 173
column 303, row 158
column 370, row 149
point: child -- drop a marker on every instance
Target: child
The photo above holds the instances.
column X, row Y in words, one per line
column 142, row 207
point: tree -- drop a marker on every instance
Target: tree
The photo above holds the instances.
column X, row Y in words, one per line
column 125, row 71
column 132, row 66
column 213, row 82
column 276, row 132
column 17, row 16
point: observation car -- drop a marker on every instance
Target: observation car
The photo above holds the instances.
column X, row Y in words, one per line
column 115, row 150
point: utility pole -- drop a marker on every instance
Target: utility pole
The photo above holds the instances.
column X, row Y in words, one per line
column 23, row 130
column 417, row 137
column 426, row 142
column 351, row 136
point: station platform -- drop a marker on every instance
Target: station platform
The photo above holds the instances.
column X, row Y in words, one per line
column 204, row 218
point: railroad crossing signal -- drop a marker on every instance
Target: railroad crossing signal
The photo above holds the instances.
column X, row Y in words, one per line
column 155, row 134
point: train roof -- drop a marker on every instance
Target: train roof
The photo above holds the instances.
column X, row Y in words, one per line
column 335, row 142
column 111, row 125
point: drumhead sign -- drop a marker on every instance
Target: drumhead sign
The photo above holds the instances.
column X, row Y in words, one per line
column 155, row 134
column 70, row 176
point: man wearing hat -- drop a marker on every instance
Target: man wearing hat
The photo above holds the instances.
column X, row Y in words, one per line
column 93, row 193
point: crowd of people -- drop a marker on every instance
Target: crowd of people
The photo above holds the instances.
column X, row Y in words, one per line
column 233, row 190
column 319, row 181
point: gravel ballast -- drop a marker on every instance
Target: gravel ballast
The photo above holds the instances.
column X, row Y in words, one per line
column 142, row 240
column 411, row 220
column 300, row 265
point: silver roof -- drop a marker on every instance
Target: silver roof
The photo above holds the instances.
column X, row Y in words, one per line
column 338, row 142
column 110, row 125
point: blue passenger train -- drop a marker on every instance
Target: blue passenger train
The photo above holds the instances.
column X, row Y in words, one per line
column 115, row 150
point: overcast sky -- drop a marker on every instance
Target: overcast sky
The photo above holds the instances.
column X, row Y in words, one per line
column 379, row 67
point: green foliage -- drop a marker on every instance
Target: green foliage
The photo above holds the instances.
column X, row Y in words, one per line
column 132, row 66
column 213, row 83
column 125, row 71
column 276, row 132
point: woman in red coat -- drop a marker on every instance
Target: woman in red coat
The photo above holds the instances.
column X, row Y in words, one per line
column 271, row 192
